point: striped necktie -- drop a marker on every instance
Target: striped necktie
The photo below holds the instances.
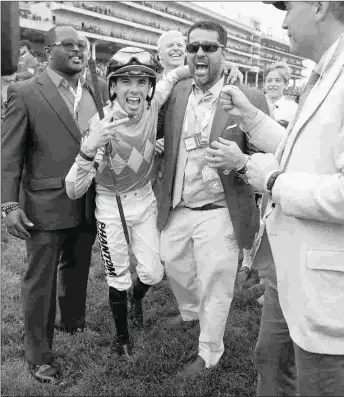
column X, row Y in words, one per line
column 314, row 77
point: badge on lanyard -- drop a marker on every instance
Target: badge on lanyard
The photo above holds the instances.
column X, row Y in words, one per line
column 193, row 142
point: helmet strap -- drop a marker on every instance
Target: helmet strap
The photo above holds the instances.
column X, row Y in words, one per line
column 150, row 97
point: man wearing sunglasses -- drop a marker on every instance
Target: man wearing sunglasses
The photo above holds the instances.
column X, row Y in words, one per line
column 205, row 217
column 41, row 135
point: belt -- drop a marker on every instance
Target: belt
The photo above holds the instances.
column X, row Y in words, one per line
column 205, row 207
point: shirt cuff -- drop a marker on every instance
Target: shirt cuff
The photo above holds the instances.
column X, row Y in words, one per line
column 84, row 164
column 276, row 189
column 247, row 124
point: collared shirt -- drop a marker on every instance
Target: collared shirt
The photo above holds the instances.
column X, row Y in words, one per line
column 203, row 104
column 85, row 107
column 282, row 109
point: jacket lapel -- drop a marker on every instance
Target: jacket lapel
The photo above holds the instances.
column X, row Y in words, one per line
column 178, row 116
column 53, row 97
column 221, row 120
column 313, row 101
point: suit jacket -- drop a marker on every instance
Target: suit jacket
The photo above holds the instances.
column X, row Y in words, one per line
column 40, row 141
column 103, row 87
column 306, row 229
column 239, row 195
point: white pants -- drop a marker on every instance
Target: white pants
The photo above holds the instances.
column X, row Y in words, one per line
column 140, row 211
column 201, row 258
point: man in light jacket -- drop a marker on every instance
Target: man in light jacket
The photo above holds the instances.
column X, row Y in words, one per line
column 303, row 318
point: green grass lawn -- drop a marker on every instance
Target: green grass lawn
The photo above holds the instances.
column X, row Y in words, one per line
column 89, row 366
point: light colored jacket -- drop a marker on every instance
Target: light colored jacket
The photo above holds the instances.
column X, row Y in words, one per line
column 306, row 228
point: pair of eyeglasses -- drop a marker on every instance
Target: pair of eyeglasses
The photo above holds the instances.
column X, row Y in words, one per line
column 207, row 46
column 69, row 44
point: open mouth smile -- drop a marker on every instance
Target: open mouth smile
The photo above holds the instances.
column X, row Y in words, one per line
column 133, row 101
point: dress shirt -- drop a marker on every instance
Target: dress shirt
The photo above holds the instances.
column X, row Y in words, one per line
column 85, row 108
column 201, row 106
column 282, row 109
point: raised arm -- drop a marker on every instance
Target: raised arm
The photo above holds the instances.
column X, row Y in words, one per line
column 263, row 132
column 165, row 85
column 83, row 170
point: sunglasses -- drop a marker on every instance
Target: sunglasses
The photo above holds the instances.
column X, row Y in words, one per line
column 207, row 46
column 69, row 44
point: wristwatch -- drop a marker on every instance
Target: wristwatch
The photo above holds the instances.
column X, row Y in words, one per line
column 271, row 181
column 243, row 169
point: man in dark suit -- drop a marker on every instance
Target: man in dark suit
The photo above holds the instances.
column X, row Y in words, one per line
column 41, row 133
column 205, row 216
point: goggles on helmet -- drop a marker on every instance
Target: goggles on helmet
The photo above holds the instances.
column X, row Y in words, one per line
column 130, row 61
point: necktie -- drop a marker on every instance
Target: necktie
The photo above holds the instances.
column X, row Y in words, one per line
column 314, row 77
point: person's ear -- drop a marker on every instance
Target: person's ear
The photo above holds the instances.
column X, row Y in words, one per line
column 225, row 54
column 321, row 10
column 48, row 52
column 113, row 88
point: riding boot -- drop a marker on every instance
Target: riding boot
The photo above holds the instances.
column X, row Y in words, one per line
column 139, row 291
column 119, row 307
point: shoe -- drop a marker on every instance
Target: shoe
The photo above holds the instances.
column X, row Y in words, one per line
column 71, row 331
column 175, row 321
column 261, row 300
column 45, row 373
column 256, row 291
column 193, row 368
column 123, row 350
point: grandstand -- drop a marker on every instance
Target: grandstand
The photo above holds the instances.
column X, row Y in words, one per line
column 112, row 25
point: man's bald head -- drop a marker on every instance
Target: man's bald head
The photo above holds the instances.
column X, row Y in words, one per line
column 170, row 34
column 171, row 49
column 52, row 35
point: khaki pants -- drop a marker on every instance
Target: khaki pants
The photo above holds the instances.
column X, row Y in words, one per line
column 201, row 258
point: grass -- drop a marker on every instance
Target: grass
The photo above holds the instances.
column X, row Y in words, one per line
column 89, row 366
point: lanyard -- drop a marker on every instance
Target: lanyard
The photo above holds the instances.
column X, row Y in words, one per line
column 192, row 107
